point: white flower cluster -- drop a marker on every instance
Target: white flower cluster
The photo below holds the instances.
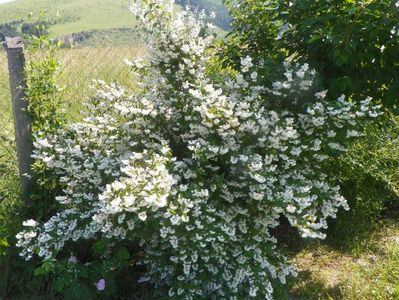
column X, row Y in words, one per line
column 198, row 172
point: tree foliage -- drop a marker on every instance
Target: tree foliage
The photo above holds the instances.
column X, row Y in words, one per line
column 351, row 44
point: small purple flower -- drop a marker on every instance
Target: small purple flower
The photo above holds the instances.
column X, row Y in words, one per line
column 100, row 285
column 73, row 259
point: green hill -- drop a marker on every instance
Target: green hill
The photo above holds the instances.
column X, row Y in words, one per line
column 69, row 17
column 72, row 16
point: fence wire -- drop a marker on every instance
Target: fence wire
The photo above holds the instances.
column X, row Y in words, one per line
column 79, row 66
column 8, row 155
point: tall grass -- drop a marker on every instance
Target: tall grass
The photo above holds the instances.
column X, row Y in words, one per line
column 80, row 66
column 8, row 161
column 6, row 126
column 10, row 203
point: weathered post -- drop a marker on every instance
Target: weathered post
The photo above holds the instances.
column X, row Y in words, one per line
column 22, row 122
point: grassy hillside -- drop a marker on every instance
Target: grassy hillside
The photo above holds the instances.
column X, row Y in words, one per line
column 79, row 66
column 72, row 16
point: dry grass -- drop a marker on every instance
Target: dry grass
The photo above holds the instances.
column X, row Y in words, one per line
column 371, row 275
column 5, row 97
column 7, row 146
column 80, row 66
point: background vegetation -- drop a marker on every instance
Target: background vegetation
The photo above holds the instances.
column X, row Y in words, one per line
column 92, row 22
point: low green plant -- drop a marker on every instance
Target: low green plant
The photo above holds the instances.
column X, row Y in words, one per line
column 374, row 188
column 42, row 73
column 74, row 279
column 43, row 95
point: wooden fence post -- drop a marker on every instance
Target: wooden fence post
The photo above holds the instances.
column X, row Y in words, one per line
column 22, row 121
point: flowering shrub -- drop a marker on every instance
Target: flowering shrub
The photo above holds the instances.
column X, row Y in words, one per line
column 196, row 171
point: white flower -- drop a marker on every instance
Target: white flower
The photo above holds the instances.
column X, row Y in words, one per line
column 30, row 223
column 185, row 48
column 73, row 259
column 321, row 95
column 291, row 209
column 43, row 143
column 142, row 216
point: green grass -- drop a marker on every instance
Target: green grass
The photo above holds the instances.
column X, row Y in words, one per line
column 73, row 15
column 10, row 201
column 80, row 66
column 8, row 166
column 325, row 273
column 5, row 99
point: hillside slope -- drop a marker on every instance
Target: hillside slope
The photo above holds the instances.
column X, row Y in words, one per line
column 72, row 16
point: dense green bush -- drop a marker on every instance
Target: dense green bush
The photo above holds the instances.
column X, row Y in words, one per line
column 369, row 176
column 8, row 29
column 351, row 44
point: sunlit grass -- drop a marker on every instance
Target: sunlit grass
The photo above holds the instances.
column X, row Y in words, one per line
column 73, row 15
column 78, row 67
column 5, row 96
column 325, row 273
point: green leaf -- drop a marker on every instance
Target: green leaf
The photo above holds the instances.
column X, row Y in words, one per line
column 100, row 247
column 82, row 271
column 59, row 284
column 123, row 254
column 44, row 269
column 342, row 84
column 78, row 292
column 39, row 271
column 4, row 243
